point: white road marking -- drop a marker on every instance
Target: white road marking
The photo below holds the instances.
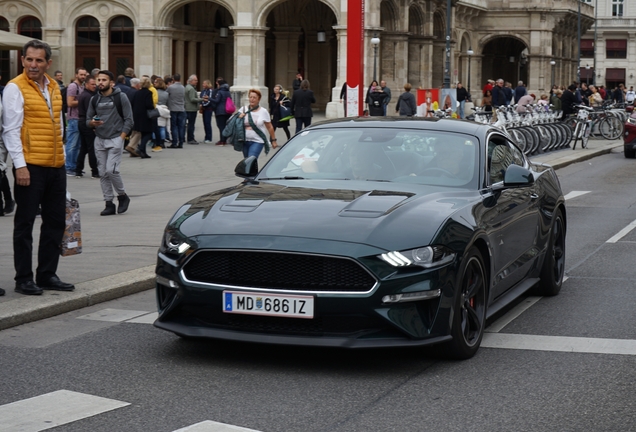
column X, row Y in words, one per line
column 53, row 409
column 513, row 314
column 622, row 233
column 575, row 194
column 559, row 344
column 113, row 315
column 211, row 426
column 145, row 319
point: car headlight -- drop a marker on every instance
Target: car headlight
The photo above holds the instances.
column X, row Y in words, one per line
column 631, row 121
column 427, row 257
column 175, row 243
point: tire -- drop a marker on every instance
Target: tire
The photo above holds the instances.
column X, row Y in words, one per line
column 520, row 139
column 577, row 133
column 553, row 268
column 469, row 311
column 630, row 154
column 585, row 136
column 611, row 128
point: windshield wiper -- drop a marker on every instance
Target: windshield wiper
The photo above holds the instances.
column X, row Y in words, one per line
column 283, row 178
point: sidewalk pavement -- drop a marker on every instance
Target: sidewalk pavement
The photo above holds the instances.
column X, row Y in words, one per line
column 119, row 252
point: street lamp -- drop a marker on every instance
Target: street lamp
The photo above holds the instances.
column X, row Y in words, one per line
column 470, row 53
column 552, row 63
column 587, row 74
column 321, row 36
column 375, row 41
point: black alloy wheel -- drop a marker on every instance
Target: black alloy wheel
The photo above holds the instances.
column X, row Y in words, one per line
column 469, row 315
column 553, row 268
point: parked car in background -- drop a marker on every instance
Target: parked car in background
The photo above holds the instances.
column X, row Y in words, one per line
column 629, row 136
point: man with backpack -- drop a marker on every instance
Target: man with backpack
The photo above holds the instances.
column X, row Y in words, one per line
column 110, row 114
column 73, row 91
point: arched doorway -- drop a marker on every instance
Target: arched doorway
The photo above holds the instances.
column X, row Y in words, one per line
column 292, row 45
column 202, row 42
column 87, row 39
column 506, row 58
column 121, row 46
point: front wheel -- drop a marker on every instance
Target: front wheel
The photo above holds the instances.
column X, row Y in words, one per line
column 469, row 311
column 577, row 133
column 587, row 127
column 611, row 128
column 553, row 268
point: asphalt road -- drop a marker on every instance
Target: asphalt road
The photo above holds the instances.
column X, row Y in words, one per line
column 566, row 363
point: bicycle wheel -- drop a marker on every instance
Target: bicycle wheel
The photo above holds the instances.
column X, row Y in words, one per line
column 585, row 135
column 520, row 140
column 545, row 138
column 567, row 135
column 611, row 128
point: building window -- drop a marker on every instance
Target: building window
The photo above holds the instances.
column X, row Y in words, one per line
column 616, row 48
column 617, row 8
column 5, row 61
column 587, row 48
column 88, row 31
column 30, row 27
column 122, row 31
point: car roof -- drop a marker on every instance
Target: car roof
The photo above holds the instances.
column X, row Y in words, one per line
column 437, row 124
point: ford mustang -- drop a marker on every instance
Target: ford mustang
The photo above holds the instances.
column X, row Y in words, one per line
column 366, row 233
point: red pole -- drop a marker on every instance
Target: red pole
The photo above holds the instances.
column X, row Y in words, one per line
column 355, row 57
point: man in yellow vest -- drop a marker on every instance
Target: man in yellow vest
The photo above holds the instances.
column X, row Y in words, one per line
column 32, row 120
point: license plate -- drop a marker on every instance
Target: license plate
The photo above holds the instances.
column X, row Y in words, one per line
column 290, row 306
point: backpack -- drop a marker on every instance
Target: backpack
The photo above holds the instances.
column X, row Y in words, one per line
column 116, row 100
column 229, row 106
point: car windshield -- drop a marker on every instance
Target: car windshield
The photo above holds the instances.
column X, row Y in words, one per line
column 378, row 154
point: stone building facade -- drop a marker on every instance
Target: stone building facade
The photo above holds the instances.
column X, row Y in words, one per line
column 260, row 43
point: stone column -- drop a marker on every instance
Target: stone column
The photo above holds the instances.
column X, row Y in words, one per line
column 147, row 51
column 249, row 60
column 334, row 108
column 103, row 46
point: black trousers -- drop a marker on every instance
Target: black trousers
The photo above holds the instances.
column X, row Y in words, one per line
column 5, row 189
column 87, row 147
column 48, row 190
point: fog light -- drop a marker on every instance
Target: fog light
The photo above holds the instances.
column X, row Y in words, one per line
column 167, row 282
column 408, row 297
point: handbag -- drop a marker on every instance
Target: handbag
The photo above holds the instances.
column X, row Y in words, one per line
column 72, row 239
column 153, row 113
column 285, row 112
column 229, row 106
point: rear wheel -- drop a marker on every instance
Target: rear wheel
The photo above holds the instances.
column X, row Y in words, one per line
column 611, row 128
column 469, row 312
column 553, row 268
column 578, row 129
column 587, row 127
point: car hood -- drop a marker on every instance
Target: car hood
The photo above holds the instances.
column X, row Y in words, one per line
column 380, row 216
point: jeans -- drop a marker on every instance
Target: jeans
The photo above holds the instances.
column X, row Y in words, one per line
column 177, row 127
column 207, row 124
column 221, row 121
column 72, row 144
column 300, row 121
column 252, row 148
column 462, row 104
column 192, row 118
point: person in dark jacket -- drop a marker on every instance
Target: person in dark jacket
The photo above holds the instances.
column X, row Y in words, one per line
column 277, row 99
column 87, row 135
column 499, row 95
column 219, row 97
column 406, row 105
column 301, row 105
column 375, row 99
column 568, row 99
column 462, row 97
column 520, row 91
column 140, row 106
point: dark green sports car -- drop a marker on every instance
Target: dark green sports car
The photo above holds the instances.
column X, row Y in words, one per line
column 366, row 233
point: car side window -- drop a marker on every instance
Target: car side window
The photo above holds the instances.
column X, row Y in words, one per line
column 501, row 155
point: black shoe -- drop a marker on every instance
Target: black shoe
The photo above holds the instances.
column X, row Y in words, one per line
column 96, row 176
column 193, row 142
column 173, row 146
column 180, row 145
column 123, row 203
column 9, row 207
column 1, row 292
column 109, row 210
column 144, row 155
column 28, row 288
column 55, row 284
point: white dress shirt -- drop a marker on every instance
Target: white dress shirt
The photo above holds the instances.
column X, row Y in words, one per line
column 13, row 117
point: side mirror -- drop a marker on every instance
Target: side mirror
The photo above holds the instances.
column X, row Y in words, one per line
column 517, row 176
column 247, row 168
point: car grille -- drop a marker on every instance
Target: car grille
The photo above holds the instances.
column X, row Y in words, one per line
column 279, row 271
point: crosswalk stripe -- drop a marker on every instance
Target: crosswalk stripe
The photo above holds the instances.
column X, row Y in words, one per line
column 149, row 318
column 575, row 194
column 559, row 344
column 211, row 426
column 53, row 409
column 622, row 233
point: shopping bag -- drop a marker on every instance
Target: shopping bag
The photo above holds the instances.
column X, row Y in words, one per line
column 72, row 239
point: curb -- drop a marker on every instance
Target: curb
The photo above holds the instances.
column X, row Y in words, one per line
column 579, row 156
column 33, row 308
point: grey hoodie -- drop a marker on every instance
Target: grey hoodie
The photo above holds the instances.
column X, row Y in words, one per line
column 113, row 125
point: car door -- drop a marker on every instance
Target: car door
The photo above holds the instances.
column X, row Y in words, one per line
column 513, row 219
